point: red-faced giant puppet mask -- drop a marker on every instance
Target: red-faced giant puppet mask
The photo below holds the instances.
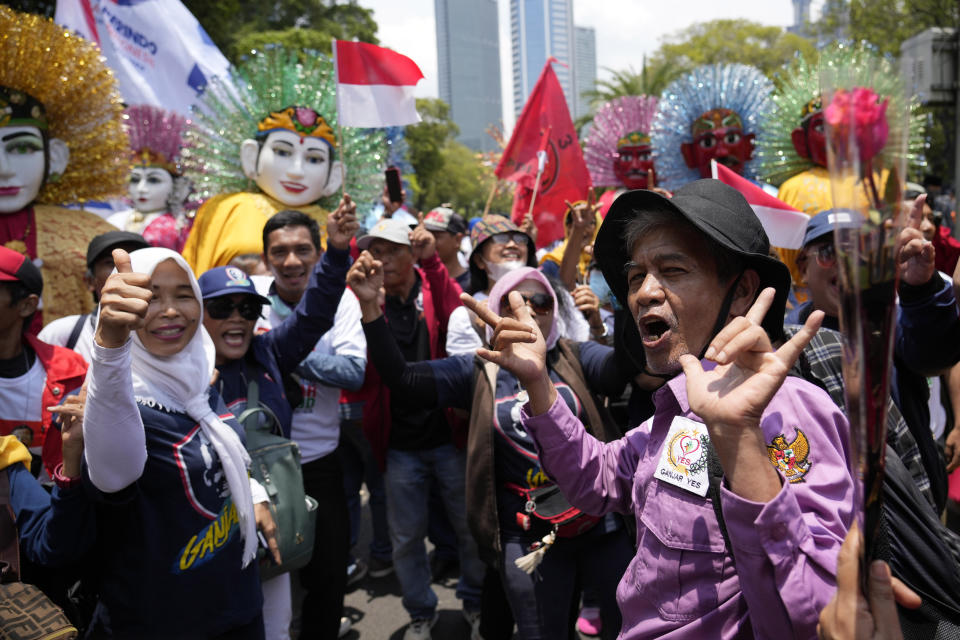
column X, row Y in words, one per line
column 718, row 135
column 633, row 165
column 809, row 139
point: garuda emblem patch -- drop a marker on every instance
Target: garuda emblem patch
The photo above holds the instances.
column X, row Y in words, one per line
column 790, row 458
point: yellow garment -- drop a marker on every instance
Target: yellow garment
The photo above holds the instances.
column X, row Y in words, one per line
column 585, row 258
column 231, row 225
column 62, row 239
column 13, row 451
column 810, row 192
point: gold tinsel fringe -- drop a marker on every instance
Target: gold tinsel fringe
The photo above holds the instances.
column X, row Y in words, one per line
column 84, row 108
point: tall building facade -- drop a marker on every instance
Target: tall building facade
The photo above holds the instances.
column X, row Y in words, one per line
column 540, row 29
column 584, row 68
column 468, row 63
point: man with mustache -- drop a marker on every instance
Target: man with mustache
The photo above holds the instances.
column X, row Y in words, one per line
column 700, row 478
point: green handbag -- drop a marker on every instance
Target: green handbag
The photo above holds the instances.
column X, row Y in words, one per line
column 275, row 463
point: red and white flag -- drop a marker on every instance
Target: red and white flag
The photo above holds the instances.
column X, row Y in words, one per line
column 544, row 142
column 784, row 225
column 374, row 85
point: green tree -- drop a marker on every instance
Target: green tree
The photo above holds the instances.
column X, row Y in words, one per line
column 730, row 41
column 885, row 23
column 446, row 170
column 237, row 26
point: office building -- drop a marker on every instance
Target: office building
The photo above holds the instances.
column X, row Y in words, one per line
column 584, row 68
column 540, row 29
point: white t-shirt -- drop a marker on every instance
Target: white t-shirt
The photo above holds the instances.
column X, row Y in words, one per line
column 316, row 422
column 462, row 338
column 21, row 400
column 58, row 332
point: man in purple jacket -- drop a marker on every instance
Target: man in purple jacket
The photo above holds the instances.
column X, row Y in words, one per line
column 708, row 302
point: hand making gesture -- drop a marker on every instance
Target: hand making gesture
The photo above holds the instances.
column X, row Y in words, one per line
column 915, row 255
column 123, row 303
column 365, row 279
column 519, row 347
column 732, row 397
column 422, row 241
column 342, row 224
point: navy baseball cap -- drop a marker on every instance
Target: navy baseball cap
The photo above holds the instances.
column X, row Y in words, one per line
column 227, row 281
column 826, row 222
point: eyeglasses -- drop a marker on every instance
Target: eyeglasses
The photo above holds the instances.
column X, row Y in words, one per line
column 541, row 303
column 826, row 255
column 222, row 308
column 506, row 236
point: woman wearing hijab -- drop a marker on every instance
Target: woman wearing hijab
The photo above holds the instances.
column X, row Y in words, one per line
column 176, row 527
column 502, row 461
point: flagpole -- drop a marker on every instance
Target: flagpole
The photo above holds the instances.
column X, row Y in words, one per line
column 341, row 141
column 541, row 163
column 493, row 193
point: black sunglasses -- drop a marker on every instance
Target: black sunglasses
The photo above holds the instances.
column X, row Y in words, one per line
column 222, row 308
column 504, row 237
column 541, row 303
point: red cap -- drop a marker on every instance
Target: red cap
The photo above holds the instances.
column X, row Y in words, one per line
column 16, row 267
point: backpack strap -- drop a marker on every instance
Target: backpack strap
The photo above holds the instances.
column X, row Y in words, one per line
column 9, row 537
column 75, row 332
column 713, row 492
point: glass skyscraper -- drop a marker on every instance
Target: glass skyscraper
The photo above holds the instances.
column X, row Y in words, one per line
column 540, row 29
column 468, row 64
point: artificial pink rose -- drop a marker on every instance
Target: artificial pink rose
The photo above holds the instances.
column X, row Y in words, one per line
column 306, row 117
column 862, row 111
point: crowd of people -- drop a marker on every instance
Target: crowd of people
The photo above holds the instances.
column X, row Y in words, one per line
column 637, row 431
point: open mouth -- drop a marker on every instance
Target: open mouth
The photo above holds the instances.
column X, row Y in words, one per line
column 169, row 333
column 728, row 161
column 637, row 173
column 653, row 331
column 233, row 338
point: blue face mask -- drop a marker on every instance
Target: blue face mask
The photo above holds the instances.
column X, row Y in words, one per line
column 600, row 287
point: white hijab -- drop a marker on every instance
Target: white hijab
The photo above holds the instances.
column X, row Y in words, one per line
column 182, row 382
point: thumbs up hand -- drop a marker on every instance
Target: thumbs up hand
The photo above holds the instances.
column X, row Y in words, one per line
column 123, row 303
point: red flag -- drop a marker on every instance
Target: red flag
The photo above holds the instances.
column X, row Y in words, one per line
column 545, row 125
column 784, row 225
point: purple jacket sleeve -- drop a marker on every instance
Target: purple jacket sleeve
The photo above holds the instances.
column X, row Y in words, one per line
column 788, row 547
column 596, row 477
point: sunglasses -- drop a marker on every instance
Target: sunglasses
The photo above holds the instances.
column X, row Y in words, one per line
column 541, row 303
column 506, row 236
column 222, row 308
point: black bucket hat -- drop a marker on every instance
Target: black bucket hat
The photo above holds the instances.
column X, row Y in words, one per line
column 717, row 210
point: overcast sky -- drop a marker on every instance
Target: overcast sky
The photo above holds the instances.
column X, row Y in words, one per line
column 626, row 30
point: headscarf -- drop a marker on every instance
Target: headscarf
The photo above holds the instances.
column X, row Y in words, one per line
column 181, row 382
column 583, row 266
column 507, row 283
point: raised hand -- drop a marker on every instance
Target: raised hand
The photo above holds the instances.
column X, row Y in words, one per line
column 732, row 397
column 342, row 224
column 915, row 255
column 422, row 242
column 365, row 279
column 517, row 346
column 529, row 227
column 749, row 371
column 70, row 417
column 123, row 303
column 589, row 305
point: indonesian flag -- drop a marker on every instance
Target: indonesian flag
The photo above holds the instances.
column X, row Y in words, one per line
column 374, row 85
column 784, row 225
column 545, row 142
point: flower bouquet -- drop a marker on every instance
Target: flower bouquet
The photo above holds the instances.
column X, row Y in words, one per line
column 866, row 132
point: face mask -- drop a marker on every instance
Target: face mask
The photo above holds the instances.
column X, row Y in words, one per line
column 496, row 270
column 600, row 287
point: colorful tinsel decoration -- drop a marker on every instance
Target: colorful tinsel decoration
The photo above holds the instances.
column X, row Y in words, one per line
column 737, row 87
column 83, row 105
column 799, row 84
column 613, row 120
column 269, row 80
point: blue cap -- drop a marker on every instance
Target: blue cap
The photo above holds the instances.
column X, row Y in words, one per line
column 829, row 221
column 227, row 281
